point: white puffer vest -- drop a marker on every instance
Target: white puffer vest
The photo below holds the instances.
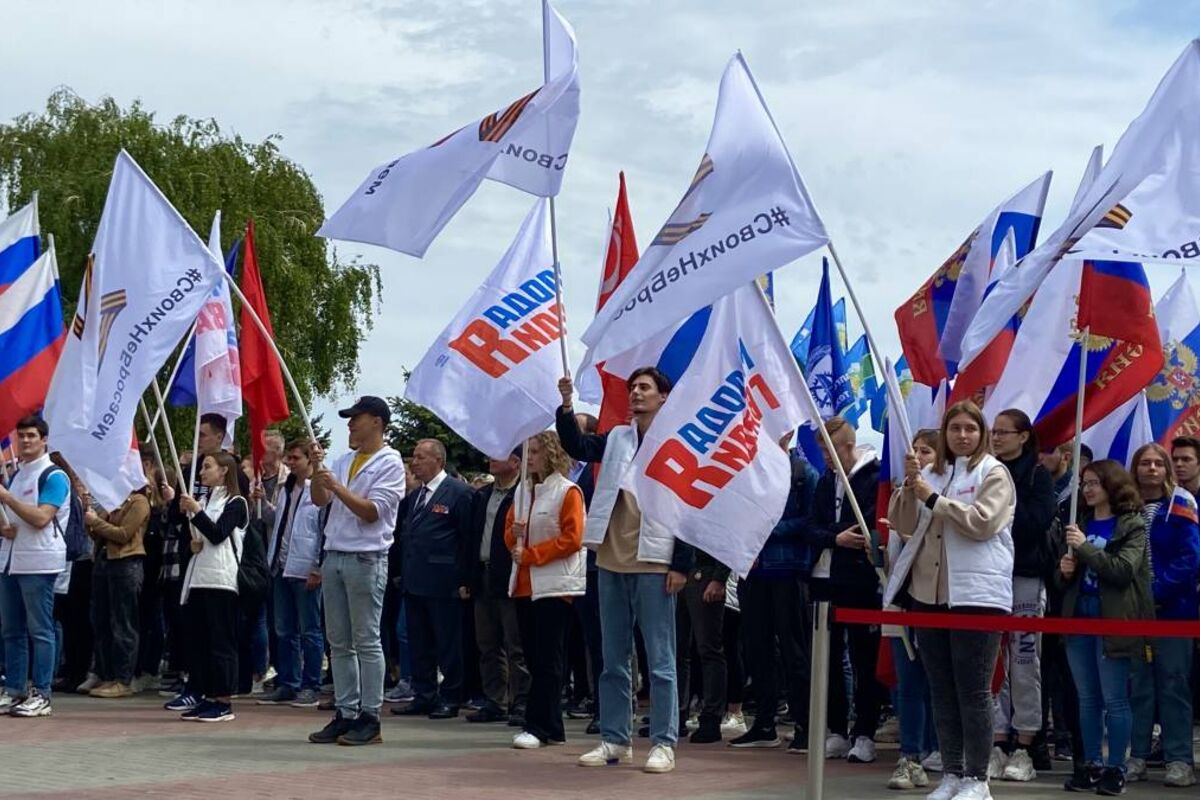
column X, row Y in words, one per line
column 656, row 544
column 216, row 565
column 980, row 572
column 564, row 577
column 34, row 551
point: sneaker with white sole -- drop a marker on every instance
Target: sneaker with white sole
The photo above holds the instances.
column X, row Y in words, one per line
column 91, row 682
column 606, row 755
column 7, row 701
column 908, row 775
column 35, row 705
column 836, row 746
column 402, row 692
column 183, row 702
column 526, row 741
column 997, row 761
column 216, row 711
column 733, row 725
column 661, row 759
column 973, row 789
column 932, row 762
column 1019, row 767
column 889, row 731
column 1179, row 773
column 947, row 789
column 863, row 751
column 1135, row 770
column 305, row 698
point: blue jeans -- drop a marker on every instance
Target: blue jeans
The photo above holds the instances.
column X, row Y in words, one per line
column 298, row 634
column 404, row 660
column 352, row 585
column 626, row 599
column 1167, row 680
column 27, row 613
column 917, row 736
column 1103, row 687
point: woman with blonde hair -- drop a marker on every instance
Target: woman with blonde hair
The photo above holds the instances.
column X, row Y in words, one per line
column 548, row 570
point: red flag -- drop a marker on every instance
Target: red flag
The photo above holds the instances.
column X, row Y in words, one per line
column 262, row 381
column 618, row 261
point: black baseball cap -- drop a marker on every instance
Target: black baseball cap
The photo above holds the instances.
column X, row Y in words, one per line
column 368, row 404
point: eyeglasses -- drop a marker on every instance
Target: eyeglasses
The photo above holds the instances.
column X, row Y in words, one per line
column 999, row 432
column 1093, row 484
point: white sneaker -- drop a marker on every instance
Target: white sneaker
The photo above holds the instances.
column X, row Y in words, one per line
column 973, row 789
column 733, row 725
column 908, row 775
column 996, row 764
column 270, row 675
column 932, row 762
column 1179, row 773
column 863, row 751
column 946, row 789
column 1135, row 770
column 91, row 682
column 836, row 746
column 526, row 741
column 1019, row 767
column 34, row 706
column 606, row 755
column 7, row 701
column 257, row 688
column 661, row 759
column 889, row 731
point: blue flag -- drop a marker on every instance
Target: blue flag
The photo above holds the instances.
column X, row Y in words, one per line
column 183, row 390
column 826, row 369
column 803, row 336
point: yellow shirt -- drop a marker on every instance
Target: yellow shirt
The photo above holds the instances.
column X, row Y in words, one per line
column 357, row 463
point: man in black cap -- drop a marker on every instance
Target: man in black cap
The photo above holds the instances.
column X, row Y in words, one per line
column 363, row 490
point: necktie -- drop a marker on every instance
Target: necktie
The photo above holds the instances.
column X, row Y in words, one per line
column 422, row 497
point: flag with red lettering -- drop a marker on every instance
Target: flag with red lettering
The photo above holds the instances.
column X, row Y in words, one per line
column 710, row 468
column 262, row 381
column 618, row 262
column 492, row 373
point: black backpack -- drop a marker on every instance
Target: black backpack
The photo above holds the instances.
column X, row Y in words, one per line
column 254, row 579
column 75, row 534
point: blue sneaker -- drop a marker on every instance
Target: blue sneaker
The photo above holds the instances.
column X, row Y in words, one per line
column 196, row 710
column 215, row 712
column 184, row 701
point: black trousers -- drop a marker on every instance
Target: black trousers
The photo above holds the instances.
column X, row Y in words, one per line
column 735, row 668
column 77, row 625
column 151, row 632
column 869, row 694
column 1059, row 696
column 435, row 640
column 178, row 659
column 116, row 590
column 776, row 618
column 212, row 632
column 543, row 632
column 703, row 622
column 588, row 609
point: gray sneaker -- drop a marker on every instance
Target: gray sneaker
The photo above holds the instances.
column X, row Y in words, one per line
column 281, row 695
column 1179, row 773
column 305, row 698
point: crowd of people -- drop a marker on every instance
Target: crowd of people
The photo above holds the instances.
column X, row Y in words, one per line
column 384, row 580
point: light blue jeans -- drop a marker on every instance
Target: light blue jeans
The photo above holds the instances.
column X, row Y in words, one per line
column 913, row 705
column 352, row 585
column 627, row 599
column 1166, row 680
column 27, row 613
column 1103, row 687
column 298, row 633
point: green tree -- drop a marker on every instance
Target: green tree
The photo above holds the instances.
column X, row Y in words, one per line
column 321, row 307
column 412, row 422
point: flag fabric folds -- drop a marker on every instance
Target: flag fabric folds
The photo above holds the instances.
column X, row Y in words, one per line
column 19, row 244
column 403, row 204
column 148, row 276
column 710, row 467
column 800, row 340
column 1173, row 398
column 619, row 259
column 262, row 382
column 826, row 371
column 502, row 345
column 745, row 212
column 32, row 335
column 1122, row 432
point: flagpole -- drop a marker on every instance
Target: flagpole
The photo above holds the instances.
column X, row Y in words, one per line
column 558, row 295
column 287, row 373
column 153, row 438
column 1077, row 447
column 158, row 397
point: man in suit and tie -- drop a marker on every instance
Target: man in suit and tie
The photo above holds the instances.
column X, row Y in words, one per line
column 437, row 569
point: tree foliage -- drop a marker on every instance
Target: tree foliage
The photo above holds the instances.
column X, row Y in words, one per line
column 321, row 307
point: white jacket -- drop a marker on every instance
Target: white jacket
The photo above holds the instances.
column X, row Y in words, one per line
column 304, row 536
column 656, row 544
column 381, row 480
column 216, row 565
column 980, row 572
column 34, row 551
column 563, row 577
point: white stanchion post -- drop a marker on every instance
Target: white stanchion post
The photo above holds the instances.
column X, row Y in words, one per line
column 818, row 702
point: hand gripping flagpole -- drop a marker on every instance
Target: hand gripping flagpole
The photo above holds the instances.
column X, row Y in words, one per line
column 1077, row 447
column 558, row 295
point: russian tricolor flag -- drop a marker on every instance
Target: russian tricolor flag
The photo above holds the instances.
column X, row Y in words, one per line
column 1173, row 397
column 19, row 246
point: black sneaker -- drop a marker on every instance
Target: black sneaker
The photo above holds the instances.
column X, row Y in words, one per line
column 593, row 728
column 1085, row 779
column 798, row 746
column 1040, row 753
column 757, row 737
column 364, row 730
column 1112, row 782
column 708, row 732
column 337, row 726
column 280, row 696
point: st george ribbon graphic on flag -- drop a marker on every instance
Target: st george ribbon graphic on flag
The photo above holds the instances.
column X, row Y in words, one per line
column 499, row 347
column 710, row 467
column 403, row 204
column 746, row 212
column 146, row 280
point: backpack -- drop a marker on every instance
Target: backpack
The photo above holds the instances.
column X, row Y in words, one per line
column 75, row 534
column 253, row 577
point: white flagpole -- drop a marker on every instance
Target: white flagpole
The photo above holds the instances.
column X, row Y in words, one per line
column 158, row 397
column 558, row 295
column 1084, row 341
column 153, row 438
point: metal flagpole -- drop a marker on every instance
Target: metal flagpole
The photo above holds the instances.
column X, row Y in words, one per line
column 818, row 702
column 558, row 295
column 158, row 397
column 153, row 438
column 1084, row 341
column 195, row 450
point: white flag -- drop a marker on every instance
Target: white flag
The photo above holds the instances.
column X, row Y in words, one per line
column 218, row 365
column 502, row 346
column 148, row 275
column 1121, row 433
column 405, row 203
column 745, row 213
column 710, row 468
column 1149, row 178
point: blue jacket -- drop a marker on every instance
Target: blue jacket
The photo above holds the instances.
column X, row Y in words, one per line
column 785, row 553
column 1175, row 558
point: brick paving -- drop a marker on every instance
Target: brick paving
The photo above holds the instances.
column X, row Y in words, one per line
column 132, row 748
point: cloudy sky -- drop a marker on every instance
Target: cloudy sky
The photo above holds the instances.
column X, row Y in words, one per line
column 908, row 121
